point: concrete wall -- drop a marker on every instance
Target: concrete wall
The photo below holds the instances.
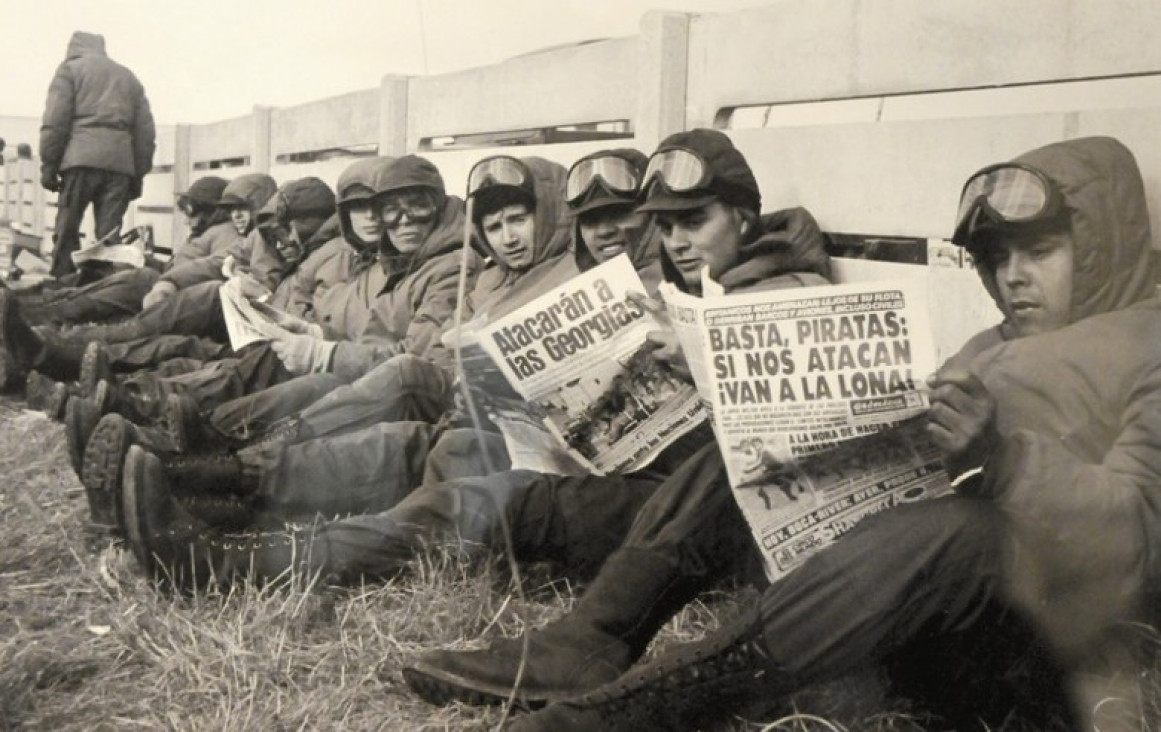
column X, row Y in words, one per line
column 869, row 112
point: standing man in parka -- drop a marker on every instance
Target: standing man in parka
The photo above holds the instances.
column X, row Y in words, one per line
column 96, row 143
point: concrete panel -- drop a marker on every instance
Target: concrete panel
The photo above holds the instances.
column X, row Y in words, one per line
column 166, row 145
column 801, row 50
column 589, row 83
column 394, row 92
column 349, row 119
column 904, row 178
column 229, row 138
column 327, row 170
column 661, row 76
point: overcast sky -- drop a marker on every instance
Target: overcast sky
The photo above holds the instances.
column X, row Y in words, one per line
column 205, row 60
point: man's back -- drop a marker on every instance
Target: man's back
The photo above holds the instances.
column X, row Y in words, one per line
column 96, row 115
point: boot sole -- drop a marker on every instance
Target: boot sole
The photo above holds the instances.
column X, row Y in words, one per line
column 94, row 368
column 103, row 470
column 132, row 503
column 45, row 394
column 438, row 687
column 75, row 437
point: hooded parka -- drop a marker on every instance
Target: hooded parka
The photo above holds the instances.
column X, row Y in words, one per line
column 399, row 303
column 207, row 252
column 1078, row 470
column 96, row 115
column 343, row 253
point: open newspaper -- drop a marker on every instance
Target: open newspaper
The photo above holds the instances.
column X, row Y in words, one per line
column 569, row 380
column 817, row 397
column 249, row 320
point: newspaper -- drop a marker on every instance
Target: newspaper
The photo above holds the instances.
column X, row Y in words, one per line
column 817, row 397
column 250, row 320
column 570, row 381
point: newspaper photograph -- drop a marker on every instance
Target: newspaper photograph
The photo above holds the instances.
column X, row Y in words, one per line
column 817, row 397
column 576, row 366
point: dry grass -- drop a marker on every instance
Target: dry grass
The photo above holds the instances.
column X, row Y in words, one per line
column 87, row 644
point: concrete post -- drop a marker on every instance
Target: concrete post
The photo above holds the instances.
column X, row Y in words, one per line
column 393, row 115
column 260, row 152
column 661, row 77
column 182, row 166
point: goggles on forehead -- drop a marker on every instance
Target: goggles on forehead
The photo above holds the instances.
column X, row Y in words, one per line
column 418, row 209
column 678, row 171
column 1011, row 193
column 616, row 175
column 500, row 170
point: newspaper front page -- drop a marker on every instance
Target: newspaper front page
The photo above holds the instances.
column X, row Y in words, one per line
column 817, row 397
column 570, row 381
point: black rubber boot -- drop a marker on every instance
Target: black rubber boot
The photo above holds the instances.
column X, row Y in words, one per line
column 80, row 418
column 58, row 357
column 181, row 551
column 21, row 346
column 212, row 474
column 190, row 430
column 223, row 512
column 687, row 688
column 95, row 367
column 47, row 394
column 635, row 593
column 104, row 458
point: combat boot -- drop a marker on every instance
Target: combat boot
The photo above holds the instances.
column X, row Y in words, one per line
column 103, row 460
column 190, row 430
column 22, row 346
column 80, row 418
column 635, row 593
column 690, row 687
column 209, row 474
column 180, row 551
column 47, row 394
column 95, row 367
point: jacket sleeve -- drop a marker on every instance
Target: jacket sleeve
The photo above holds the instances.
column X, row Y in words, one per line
column 1084, row 532
column 187, row 274
column 265, row 264
column 193, row 248
column 300, row 286
column 56, row 125
column 144, row 135
column 434, row 307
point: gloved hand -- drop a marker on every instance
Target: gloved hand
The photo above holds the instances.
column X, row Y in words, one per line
column 136, row 185
column 250, row 287
column 229, row 264
column 50, row 180
column 299, row 327
column 302, row 354
column 161, row 291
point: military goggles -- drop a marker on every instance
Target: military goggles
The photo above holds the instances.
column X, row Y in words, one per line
column 418, row 209
column 284, row 239
column 677, row 171
column 192, row 208
column 1011, row 193
column 616, row 175
column 500, row 170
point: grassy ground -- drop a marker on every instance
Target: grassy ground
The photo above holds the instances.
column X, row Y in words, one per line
column 87, row 644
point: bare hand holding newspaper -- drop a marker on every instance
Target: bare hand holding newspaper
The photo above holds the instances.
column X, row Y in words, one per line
column 817, row 397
